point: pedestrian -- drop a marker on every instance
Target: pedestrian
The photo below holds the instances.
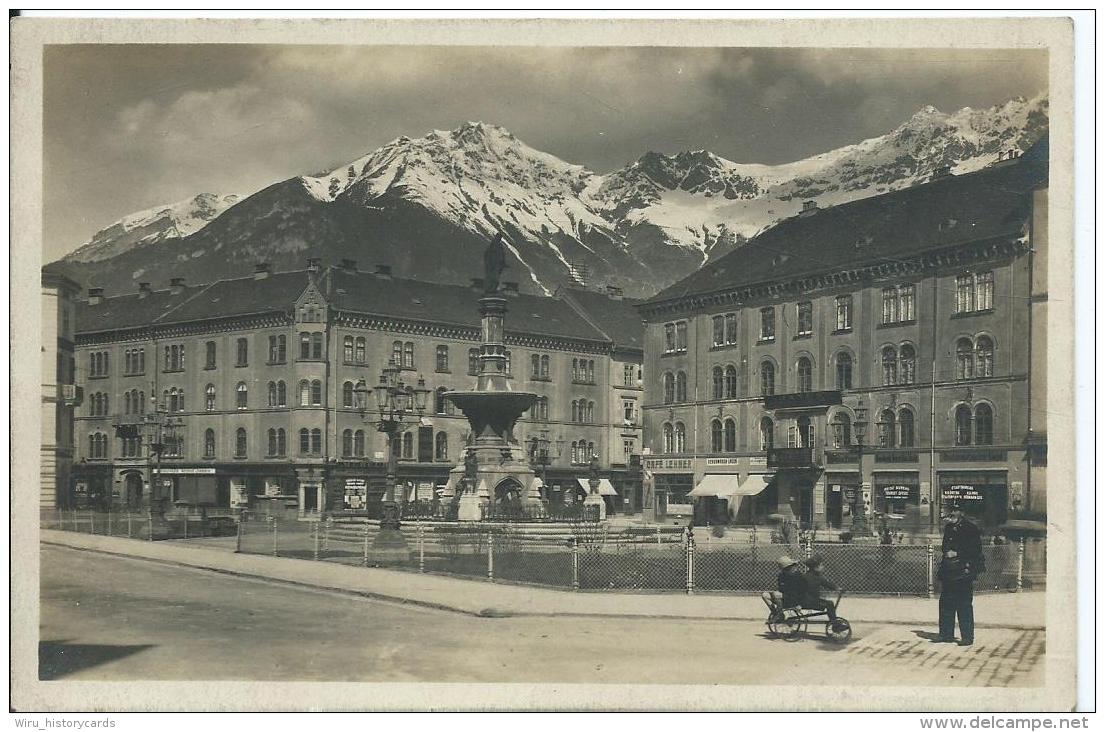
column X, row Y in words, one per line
column 960, row 565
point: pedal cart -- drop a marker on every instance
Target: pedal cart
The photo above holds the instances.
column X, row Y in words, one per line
column 790, row 623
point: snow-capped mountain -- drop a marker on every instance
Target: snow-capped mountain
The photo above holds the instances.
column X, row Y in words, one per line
column 427, row 206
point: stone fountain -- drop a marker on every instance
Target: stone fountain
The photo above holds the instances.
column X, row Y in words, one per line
column 495, row 465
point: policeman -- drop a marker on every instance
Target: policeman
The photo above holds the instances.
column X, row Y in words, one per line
column 960, row 565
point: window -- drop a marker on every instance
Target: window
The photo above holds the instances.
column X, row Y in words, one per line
column 984, row 425
column 240, row 443
column 844, row 312
column 507, row 363
column 805, row 318
column 278, row 349
column 272, row 443
column 209, row 355
column 887, row 429
column 347, row 349
column 719, row 330
column 730, row 435
column 272, row 393
column 907, row 364
column 360, row 356
column 441, row 404
column 669, row 338
column 544, row 367
column 347, row 394
column 347, row 443
column 906, row 299
column 681, row 387
column 304, row 393
column 408, row 446
column 174, row 358
column 397, row 353
column 627, row 450
column 669, row 438
column 243, row 352
column 441, row 358
column 209, row 443
column 805, row 374
column 408, row 355
column 890, row 305
column 964, row 359
column 281, row 394
column 767, row 378
column 730, row 382
column 843, row 371
column 964, row 294
column 135, row 361
column 842, row 430
column 316, row 393
column 730, row 329
column 669, row 388
column 629, row 411
column 905, row 427
column 984, row 291
column 984, row 357
column 441, row 446
column 281, row 441
column 889, row 366
column 767, row 324
column 718, row 382
column 358, row 443
column 974, row 292
column 716, row 436
column 242, row 392
column 304, row 441
column 209, row 398
column 542, row 408
column 681, row 336
column 473, row 361
column 962, row 425
column 680, row 437
column 767, row 434
column 304, row 346
column 316, row 441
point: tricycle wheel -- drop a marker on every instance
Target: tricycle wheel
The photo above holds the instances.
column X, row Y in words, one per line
column 839, row 630
column 792, row 627
column 774, row 623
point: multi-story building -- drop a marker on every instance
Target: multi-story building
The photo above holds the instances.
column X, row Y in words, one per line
column 253, row 384
column 60, row 395
column 887, row 351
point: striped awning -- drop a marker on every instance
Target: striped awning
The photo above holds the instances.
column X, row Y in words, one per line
column 715, row 485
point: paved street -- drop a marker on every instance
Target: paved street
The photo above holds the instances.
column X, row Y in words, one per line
column 115, row 618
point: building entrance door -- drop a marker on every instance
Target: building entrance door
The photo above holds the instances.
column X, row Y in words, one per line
column 134, row 489
column 805, row 506
column 834, row 506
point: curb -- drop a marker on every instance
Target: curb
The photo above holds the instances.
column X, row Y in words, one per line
column 487, row 612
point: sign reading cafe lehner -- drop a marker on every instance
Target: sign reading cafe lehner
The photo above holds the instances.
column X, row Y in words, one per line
column 668, row 464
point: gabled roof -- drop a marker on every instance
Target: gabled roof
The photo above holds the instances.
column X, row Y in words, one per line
column 238, row 297
column 129, row 311
column 955, row 209
column 617, row 318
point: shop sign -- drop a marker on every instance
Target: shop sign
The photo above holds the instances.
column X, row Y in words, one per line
column 896, row 492
column 355, row 491
column 425, row 491
column 669, row 464
column 961, row 493
column 757, row 462
column 721, row 461
column 187, row 471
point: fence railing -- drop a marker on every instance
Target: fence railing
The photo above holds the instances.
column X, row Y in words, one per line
column 583, row 555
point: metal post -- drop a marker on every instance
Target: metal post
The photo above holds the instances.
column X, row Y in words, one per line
column 421, row 548
column 238, row 540
column 490, row 556
column 317, row 528
column 149, row 522
column 364, row 560
column 575, row 563
column 186, row 525
column 326, row 535
column 1020, row 564
column 657, row 534
column 931, row 555
column 689, row 535
column 91, row 522
column 128, row 525
column 273, row 520
column 108, row 524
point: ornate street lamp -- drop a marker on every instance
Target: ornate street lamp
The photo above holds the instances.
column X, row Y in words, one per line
column 159, row 429
column 398, row 406
column 543, row 452
column 859, row 520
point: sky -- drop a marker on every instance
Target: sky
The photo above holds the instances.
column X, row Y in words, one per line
column 130, row 127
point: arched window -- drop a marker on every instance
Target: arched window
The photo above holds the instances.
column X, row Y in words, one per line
column 272, row 442
column 304, row 345
column 805, row 374
column 408, row 355
column 408, row 446
column 281, row 394
column 842, row 430
column 681, row 387
column 126, row 402
column 441, row 446
column 442, row 358
column 843, row 371
column 272, row 393
column 984, row 357
column 281, row 349
column 669, row 388
column 669, row 438
column 360, row 355
column 242, row 392
column 767, row 433
column 575, row 411
column 209, row 443
column 304, row 393
column 347, row 349
column 716, row 436
column 304, row 441
column 316, row 393
column 730, row 382
column 240, row 442
column 544, row 367
column 590, row 412
column 984, row 425
column 347, row 394
column 887, row 429
column 316, row 345
column 905, row 427
column 964, row 359
column 316, row 441
column 680, row 437
column 907, row 364
column 962, row 425
column 358, row 443
column 535, row 366
column 141, row 402
column 730, row 435
column 440, row 402
column 889, row 366
column 347, row 443
column 473, row 361
column 719, row 382
column 281, row 441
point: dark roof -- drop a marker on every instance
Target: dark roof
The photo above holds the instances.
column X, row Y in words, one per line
column 989, row 203
column 242, row 296
column 129, row 311
column 617, row 318
column 362, row 292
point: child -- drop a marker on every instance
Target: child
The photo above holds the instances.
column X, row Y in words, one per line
column 789, row 593
column 813, row 582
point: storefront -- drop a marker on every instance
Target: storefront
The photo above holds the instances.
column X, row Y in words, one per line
column 840, row 497
column 673, row 497
column 898, row 495
column 983, row 494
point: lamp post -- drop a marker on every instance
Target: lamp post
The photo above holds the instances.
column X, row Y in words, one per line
column 542, row 452
column 859, row 520
column 398, row 405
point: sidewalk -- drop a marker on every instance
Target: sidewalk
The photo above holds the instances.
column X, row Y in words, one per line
column 475, row 597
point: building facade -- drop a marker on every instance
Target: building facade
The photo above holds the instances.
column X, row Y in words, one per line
column 60, row 395
column 885, row 353
column 253, row 387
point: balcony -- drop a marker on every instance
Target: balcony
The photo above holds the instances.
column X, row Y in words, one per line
column 803, row 400
column 72, row 395
column 792, row 457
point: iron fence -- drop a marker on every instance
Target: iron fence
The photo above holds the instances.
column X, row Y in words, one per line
column 139, row 524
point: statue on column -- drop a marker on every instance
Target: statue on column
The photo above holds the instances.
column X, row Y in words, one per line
column 494, row 262
column 470, row 469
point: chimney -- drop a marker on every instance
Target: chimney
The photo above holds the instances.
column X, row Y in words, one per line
column 384, row 271
column 808, row 208
column 176, row 285
column 95, row 295
column 614, row 292
column 510, row 288
column 314, row 264
column 144, row 289
column 349, row 265
column 261, row 270
column 477, row 284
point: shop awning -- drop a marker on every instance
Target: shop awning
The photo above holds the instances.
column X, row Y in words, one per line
column 716, row 485
column 606, row 488
column 753, row 485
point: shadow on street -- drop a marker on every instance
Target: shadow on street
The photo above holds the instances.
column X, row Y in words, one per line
column 57, row 659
